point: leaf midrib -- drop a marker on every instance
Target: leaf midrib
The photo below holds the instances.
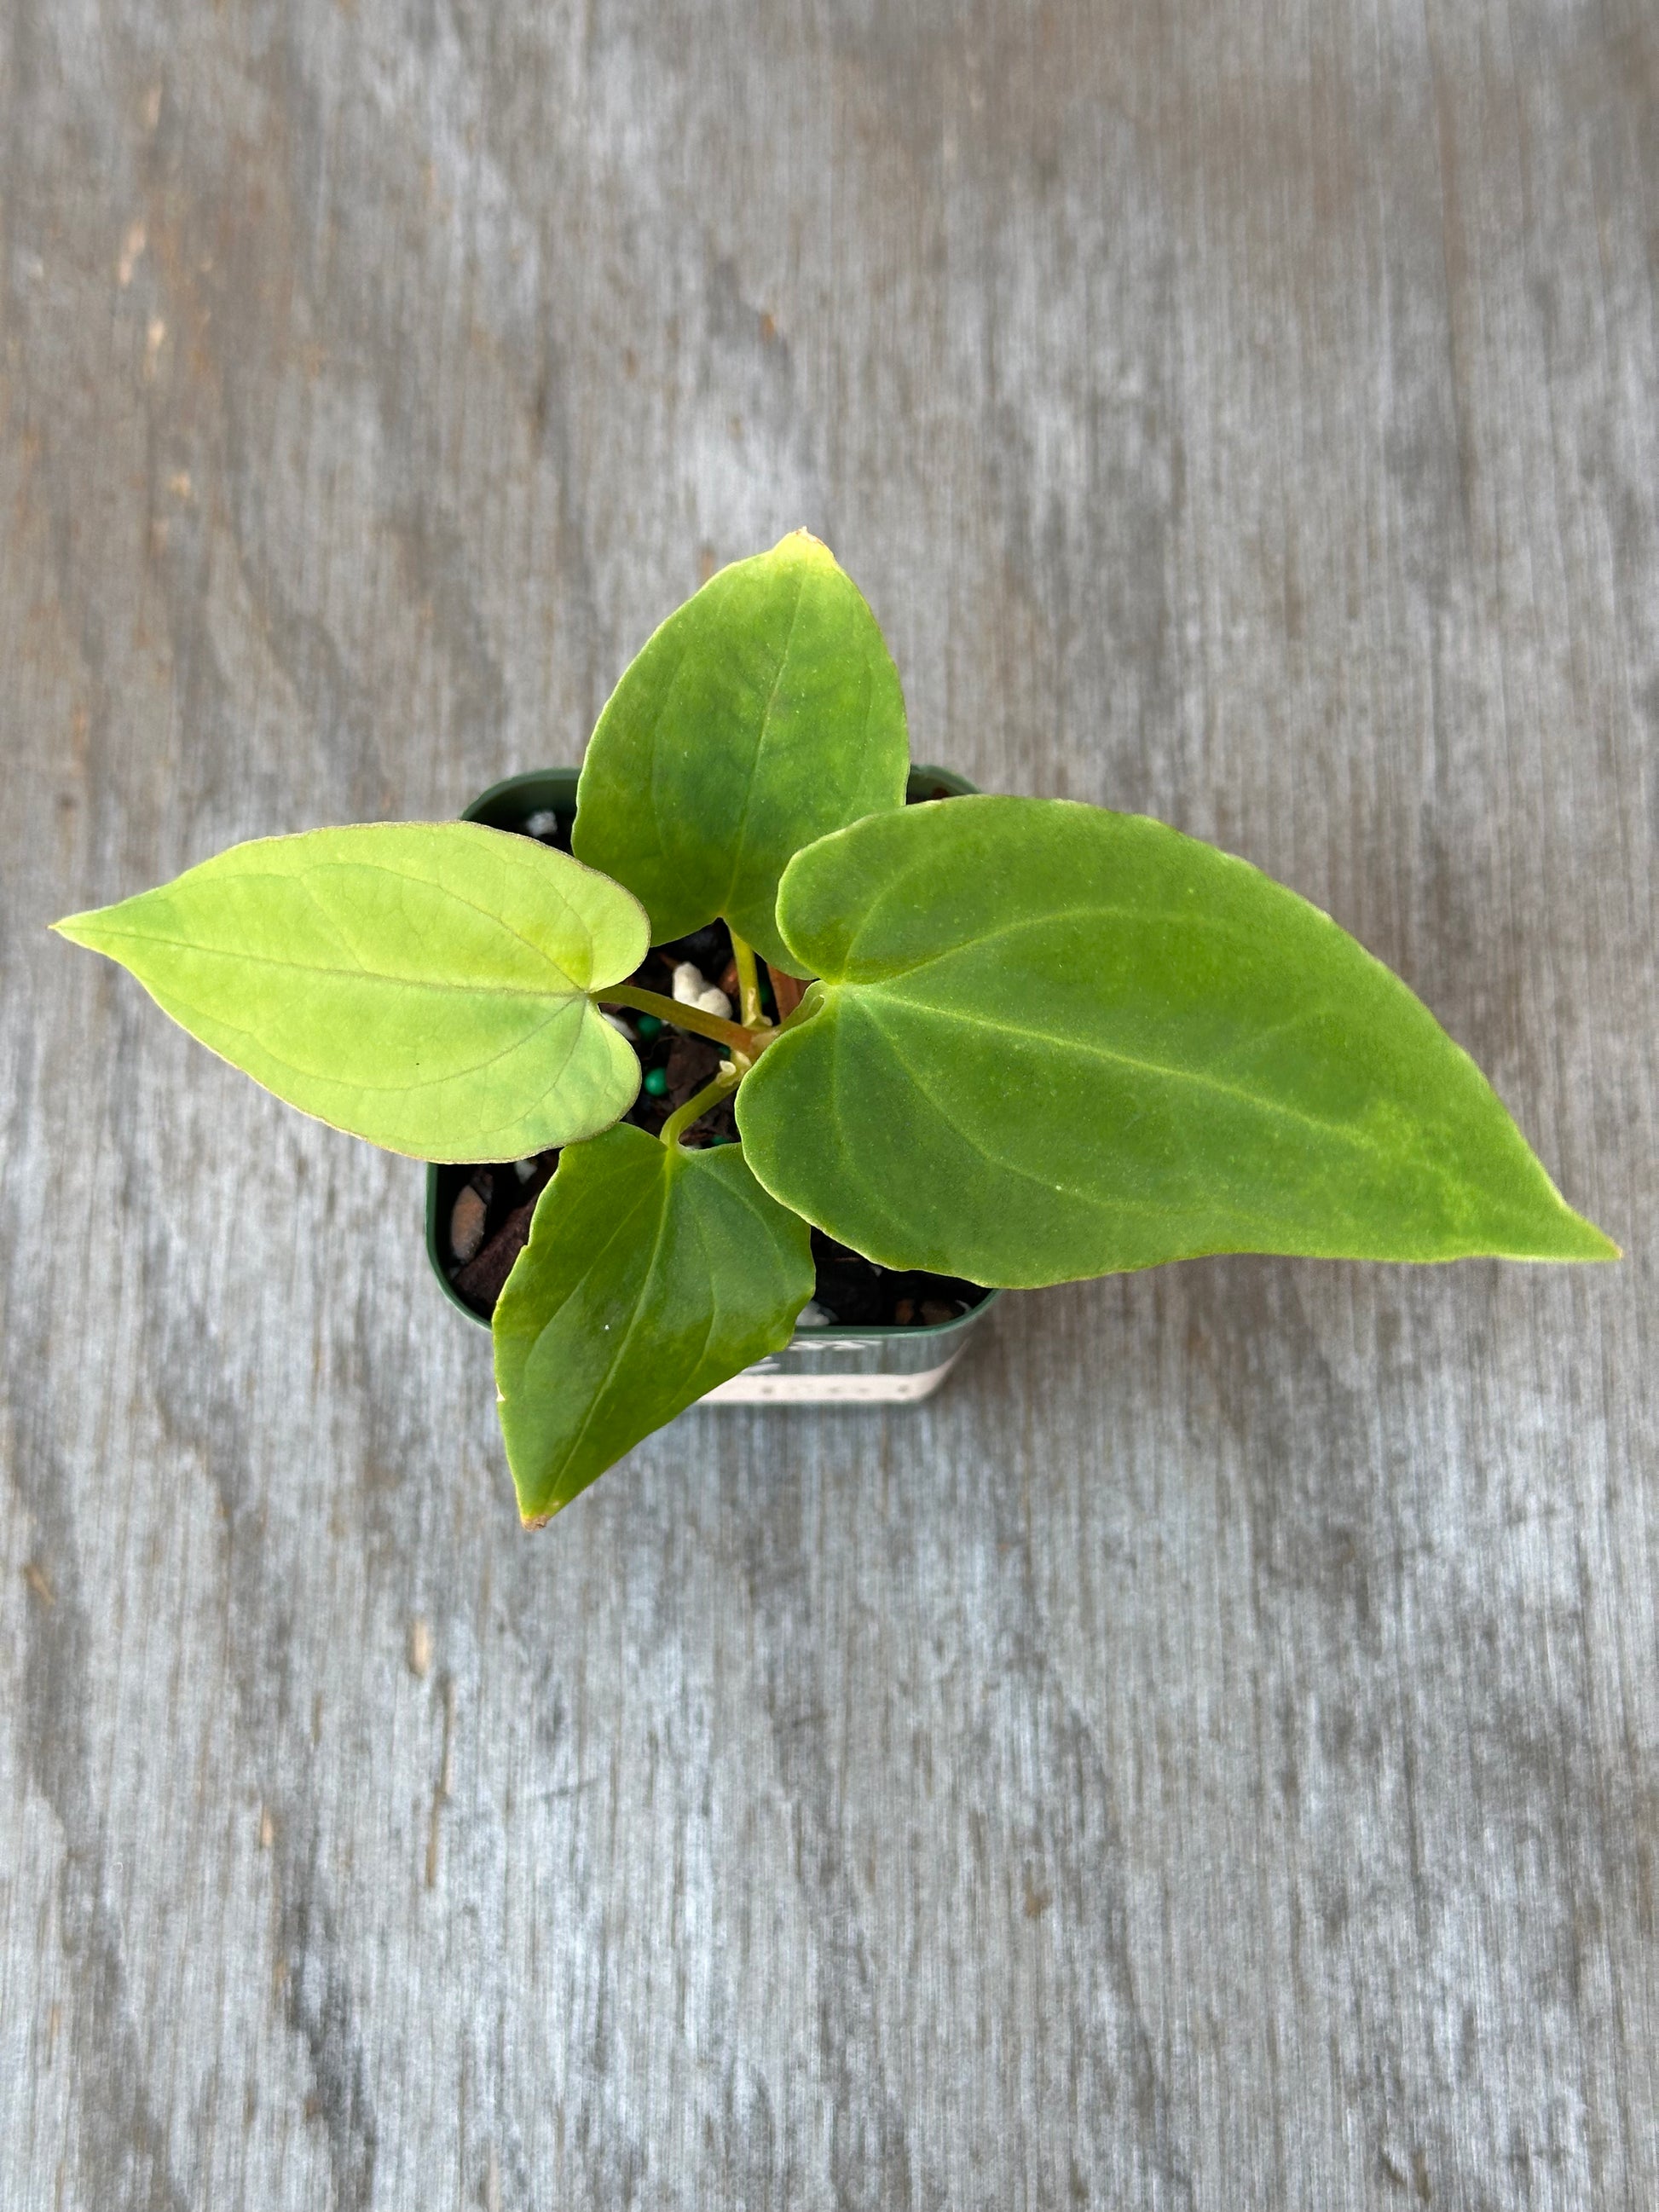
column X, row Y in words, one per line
column 664, row 1193
column 1116, row 1203
column 978, row 1019
column 404, row 1086
column 357, row 975
column 762, row 743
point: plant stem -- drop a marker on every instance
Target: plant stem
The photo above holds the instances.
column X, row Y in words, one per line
column 786, row 991
column 748, row 983
column 731, row 1034
column 695, row 1108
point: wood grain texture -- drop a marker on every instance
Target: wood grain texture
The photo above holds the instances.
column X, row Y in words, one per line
column 1209, row 1756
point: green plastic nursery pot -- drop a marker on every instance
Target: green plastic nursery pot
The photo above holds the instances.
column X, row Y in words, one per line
column 832, row 1364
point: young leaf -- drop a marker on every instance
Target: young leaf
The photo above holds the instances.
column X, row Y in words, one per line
column 764, row 714
column 424, row 985
column 1052, row 1041
column 652, row 1273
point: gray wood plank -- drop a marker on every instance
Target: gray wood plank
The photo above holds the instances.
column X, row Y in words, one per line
column 1207, row 1757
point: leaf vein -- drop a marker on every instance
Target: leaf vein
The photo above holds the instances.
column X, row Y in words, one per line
column 765, row 739
column 1259, row 1102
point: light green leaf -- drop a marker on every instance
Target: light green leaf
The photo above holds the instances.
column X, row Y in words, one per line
column 653, row 1272
column 424, row 985
column 1053, row 1042
column 763, row 714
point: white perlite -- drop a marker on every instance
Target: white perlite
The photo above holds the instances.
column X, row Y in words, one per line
column 693, row 988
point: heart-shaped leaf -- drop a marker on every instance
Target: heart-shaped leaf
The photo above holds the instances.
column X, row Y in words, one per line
column 424, row 984
column 763, row 714
column 1053, row 1042
column 653, row 1272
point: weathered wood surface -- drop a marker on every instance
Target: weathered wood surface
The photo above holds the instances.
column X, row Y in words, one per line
column 1211, row 1756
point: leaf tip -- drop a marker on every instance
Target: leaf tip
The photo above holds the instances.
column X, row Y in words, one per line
column 1569, row 1238
column 1594, row 1243
column 534, row 1512
column 805, row 546
column 80, row 929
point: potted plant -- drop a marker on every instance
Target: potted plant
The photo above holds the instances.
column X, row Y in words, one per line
column 1000, row 1042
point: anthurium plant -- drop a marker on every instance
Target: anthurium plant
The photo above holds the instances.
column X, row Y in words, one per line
column 1016, row 1040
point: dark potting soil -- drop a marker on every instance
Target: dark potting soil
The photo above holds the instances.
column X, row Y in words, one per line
column 484, row 1211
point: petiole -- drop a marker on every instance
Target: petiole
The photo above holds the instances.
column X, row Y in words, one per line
column 702, row 1103
column 748, row 983
column 732, row 1034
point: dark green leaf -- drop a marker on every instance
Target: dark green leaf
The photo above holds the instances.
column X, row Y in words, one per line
column 1053, row 1042
column 422, row 984
column 653, row 1272
column 763, row 714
